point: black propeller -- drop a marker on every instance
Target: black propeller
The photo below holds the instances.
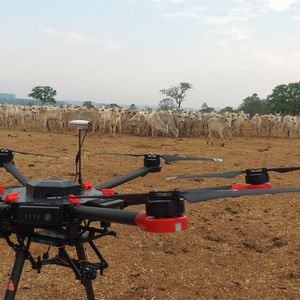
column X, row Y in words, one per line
column 232, row 174
column 35, row 154
column 192, row 196
column 166, row 157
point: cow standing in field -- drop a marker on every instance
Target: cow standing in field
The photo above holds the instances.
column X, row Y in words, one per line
column 256, row 125
column 274, row 124
column 156, row 124
column 218, row 125
column 289, row 126
column 168, row 118
column 116, row 121
column 238, row 123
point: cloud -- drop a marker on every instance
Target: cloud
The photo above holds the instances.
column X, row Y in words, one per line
column 192, row 12
column 279, row 5
column 76, row 39
column 231, row 19
column 285, row 61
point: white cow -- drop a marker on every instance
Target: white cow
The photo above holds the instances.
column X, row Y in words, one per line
column 218, row 125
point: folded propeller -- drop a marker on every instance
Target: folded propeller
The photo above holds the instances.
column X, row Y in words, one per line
column 232, row 174
column 167, row 158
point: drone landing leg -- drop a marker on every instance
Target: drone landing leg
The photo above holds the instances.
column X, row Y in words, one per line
column 87, row 283
column 15, row 276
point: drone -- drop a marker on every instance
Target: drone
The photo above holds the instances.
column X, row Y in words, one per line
column 58, row 212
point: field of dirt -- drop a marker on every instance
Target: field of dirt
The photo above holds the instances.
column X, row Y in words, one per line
column 239, row 248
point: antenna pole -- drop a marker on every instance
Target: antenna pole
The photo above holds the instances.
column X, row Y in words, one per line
column 79, row 157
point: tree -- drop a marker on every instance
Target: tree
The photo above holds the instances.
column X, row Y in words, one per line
column 132, row 106
column 88, row 104
column 114, row 105
column 206, row 109
column 45, row 94
column 166, row 104
column 227, row 109
column 177, row 93
column 254, row 105
column 285, row 98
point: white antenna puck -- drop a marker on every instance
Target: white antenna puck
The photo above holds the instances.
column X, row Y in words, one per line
column 79, row 122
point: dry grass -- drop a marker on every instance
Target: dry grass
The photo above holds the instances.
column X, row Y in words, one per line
column 241, row 248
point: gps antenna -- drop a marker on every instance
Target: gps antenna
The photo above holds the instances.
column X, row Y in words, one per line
column 81, row 124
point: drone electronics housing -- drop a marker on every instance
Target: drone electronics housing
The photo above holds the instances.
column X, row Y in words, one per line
column 53, row 187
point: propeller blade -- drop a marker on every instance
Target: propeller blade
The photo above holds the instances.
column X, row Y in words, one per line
column 171, row 158
column 284, row 169
column 166, row 157
column 35, row 154
column 231, row 174
column 199, row 196
column 119, row 154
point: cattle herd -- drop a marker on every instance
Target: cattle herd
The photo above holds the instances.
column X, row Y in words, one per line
column 176, row 123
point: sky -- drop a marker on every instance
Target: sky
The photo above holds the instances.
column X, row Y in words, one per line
column 126, row 51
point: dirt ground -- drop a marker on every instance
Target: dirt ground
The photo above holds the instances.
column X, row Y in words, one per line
column 239, row 248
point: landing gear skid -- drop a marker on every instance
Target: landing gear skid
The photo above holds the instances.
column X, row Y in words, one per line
column 84, row 270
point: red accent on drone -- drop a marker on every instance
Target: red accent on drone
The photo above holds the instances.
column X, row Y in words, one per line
column 73, row 199
column 238, row 186
column 10, row 286
column 1, row 188
column 160, row 225
column 12, row 197
column 108, row 192
column 87, row 185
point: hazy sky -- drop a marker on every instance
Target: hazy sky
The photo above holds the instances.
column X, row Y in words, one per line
column 127, row 50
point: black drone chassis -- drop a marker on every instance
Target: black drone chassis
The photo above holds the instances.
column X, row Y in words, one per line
column 60, row 213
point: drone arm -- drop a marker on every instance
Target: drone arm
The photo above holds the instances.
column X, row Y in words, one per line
column 108, row 215
column 10, row 168
column 124, row 178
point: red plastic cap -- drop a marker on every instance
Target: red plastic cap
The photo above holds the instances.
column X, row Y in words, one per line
column 237, row 186
column 87, row 185
column 161, row 225
column 1, row 188
column 10, row 286
column 73, row 199
column 12, row 197
column 108, row 192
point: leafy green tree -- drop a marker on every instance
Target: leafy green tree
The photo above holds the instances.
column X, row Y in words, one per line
column 132, row 106
column 45, row 94
column 88, row 104
column 254, row 105
column 166, row 104
column 177, row 93
column 206, row 109
column 227, row 109
column 285, row 98
column 114, row 105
